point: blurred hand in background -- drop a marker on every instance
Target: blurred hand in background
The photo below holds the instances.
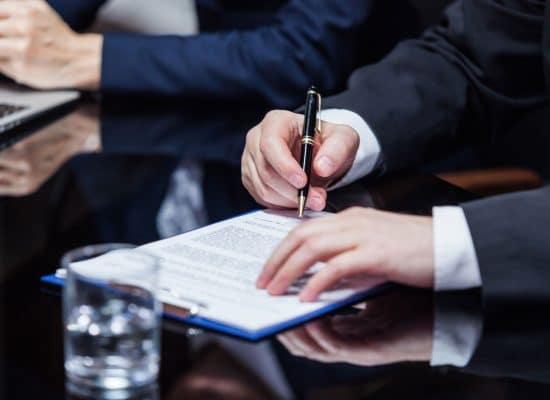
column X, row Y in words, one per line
column 38, row 49
column 26, row 165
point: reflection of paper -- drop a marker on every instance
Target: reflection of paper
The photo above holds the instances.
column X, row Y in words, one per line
column 218, row 265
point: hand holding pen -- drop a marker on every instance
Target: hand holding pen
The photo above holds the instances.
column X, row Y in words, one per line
column 312, row 126
column 271, row 169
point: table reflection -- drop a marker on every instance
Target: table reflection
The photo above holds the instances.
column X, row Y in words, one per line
column 111, row 172
column 25, row 166
column 381, row 349
column 396, row 327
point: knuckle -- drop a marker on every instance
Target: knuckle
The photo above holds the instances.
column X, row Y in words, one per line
column 298, row 234
column 24, row 50
column 264, row 193
column 284, row 277
column 266, row 175
column 273, row 114
column 37, row 6
column 312, row 245
column 377, row 260
column 266, row 143
column 337, row 268
column 24, row 27
column 245, row 181
column 32, row 11
column 251, row 135
column 27, row 165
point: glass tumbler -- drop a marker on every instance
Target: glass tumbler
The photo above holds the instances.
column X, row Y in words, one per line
column 112, row 320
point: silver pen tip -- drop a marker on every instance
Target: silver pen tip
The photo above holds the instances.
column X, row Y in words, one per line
column 301, row 206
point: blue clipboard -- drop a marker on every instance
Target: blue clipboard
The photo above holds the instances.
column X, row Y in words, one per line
column 263, row 333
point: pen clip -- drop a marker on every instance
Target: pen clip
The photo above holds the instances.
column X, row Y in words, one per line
column 318, row 119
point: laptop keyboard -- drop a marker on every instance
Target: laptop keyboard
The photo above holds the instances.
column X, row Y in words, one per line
column 8, row 109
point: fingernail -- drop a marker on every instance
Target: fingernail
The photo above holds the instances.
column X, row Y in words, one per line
column 274, row 289
column 325, row 165
column 297, row 181
column 316, row 202
column 306, row 297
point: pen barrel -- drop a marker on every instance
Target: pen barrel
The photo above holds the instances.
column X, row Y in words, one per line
column 306, row 160
column 308, row 137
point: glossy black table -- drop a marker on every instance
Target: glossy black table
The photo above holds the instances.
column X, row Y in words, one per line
column 101, row 174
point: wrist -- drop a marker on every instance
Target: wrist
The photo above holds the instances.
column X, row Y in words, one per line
column 85, row 68
column 421, row 254
column 427, row 248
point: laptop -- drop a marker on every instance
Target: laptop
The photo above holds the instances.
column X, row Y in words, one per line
column 19, row 105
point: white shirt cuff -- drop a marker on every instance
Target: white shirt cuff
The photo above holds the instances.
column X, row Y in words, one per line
column 456, row 265
column 455, row 337
column 369, row 148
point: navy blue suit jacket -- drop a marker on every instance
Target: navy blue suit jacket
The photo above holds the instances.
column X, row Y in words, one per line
column 265, row 52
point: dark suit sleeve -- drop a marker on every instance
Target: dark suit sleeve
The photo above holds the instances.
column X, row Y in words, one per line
column 310, row 42
column 456, row 83
column 511, row 235
column 79, row 14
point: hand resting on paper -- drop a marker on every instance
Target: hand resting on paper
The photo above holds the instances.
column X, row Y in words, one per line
column 356, row 242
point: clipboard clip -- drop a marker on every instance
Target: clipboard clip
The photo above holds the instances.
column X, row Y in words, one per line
column 192, row 308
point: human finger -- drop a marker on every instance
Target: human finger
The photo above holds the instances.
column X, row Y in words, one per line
column 324, row 336
column 337, row 152
column 11, row 48
column 280, row 130
column 344, row 265
column 12, row 28
column 264, row 194
column 317, row 248
column 285, row 248
column 302, row 342
column 270, row 178
column 9, row 176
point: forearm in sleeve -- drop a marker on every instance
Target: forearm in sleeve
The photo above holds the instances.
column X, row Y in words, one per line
column 272, row 65
column 511, row 235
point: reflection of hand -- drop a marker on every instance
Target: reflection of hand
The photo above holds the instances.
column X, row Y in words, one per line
column 393, row 328
column 356, row 242
column 270, row 171
column 38, row 49
column 29, row 163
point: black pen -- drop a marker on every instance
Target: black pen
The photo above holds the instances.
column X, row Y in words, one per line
column 312, row 125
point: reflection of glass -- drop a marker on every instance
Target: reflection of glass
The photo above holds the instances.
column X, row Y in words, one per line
column 112, row 320
column 78, row 392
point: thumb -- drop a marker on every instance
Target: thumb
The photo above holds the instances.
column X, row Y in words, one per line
column 337, row 152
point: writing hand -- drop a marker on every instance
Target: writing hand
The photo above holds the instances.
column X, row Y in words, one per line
column 270, row 171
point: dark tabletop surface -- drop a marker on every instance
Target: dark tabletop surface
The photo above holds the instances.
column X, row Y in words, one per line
column 100, row 174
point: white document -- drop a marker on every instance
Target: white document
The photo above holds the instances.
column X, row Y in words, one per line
column 217, row 267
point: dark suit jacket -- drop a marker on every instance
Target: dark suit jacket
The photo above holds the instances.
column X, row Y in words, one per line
column 263, row 52
column 514, row 344
column 480, row 72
